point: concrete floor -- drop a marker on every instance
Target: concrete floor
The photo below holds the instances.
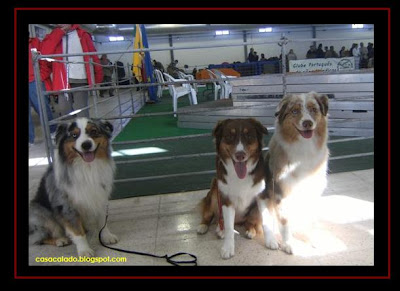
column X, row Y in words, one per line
column 166, row 224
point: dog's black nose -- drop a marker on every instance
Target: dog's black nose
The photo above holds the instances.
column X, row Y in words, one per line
column 307, row 124
column 240, row 156
column 87, row 145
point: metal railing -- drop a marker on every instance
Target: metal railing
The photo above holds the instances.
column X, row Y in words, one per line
column 36, row 57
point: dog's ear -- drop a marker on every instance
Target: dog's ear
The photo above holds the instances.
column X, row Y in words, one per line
column 282, row 108
column 259, row 127
column 323, row 102
column 61, row 131
column 107, row 127
column 217, row 131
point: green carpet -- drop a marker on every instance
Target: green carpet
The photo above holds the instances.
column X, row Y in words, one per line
column 143, row 168
column 160, row 126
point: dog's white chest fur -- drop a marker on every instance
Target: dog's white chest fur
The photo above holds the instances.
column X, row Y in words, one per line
column 305, row 172
column 89, row 185
column 241, row 192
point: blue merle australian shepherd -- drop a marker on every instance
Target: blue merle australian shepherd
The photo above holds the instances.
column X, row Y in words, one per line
column 73, row 193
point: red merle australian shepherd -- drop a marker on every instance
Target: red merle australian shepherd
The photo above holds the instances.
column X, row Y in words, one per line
column 295, row 167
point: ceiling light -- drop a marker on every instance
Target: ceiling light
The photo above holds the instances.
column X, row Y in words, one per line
column 105, row 25
column 116, row 38
column 221, row 32
column 126, row 28
column 169, row 25
column 265, row 29
column 357, row 25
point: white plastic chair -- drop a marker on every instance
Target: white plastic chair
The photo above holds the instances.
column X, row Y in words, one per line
column 179, row 91
column 217, row 87
column 160, row 79
column 226, row 87
column 182, row 75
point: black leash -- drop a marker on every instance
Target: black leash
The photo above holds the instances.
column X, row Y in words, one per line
column 170, row 259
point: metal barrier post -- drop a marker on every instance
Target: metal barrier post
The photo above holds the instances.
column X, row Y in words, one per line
column 118, row 96
column 42, row 107
column 96, row 114
column 283, row 43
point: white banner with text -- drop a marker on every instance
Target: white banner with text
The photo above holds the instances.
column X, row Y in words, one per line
column 330, row 64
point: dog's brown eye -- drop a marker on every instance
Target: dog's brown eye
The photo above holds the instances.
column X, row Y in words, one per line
column 74, row 135
column 229, row 138
column 251, row 136
column 93, row 131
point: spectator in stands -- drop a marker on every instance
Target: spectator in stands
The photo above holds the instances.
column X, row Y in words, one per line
column 332, row 53
column 363, row 56
column 344, row 53
column 341, row 52
column 194, row 72
column 256, row 57
column 356, row 54
column 370, row 48
column 173, row 70
column 312, row 52
column 320, row 52
column 251, row 58
column 326, row 52
column 157, row 65
column 291, row 56
column 354, row 49
column 186, row 69
column 262, row 58
column 108, row 72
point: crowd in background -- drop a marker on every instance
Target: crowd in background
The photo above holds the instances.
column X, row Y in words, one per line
column 364, row 55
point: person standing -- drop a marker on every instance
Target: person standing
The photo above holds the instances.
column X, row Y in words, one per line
column 363, row 56
column 320, row 53
column 251, row 57
column 291, row 56
column 356, row 54
column 370, row 48
column 108, row 72
column 72, row 71
column 34, row 43
column 312, row 52
column 332, row 52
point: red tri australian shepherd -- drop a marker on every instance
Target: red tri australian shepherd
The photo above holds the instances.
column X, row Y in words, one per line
column 240, row 179
column 295, row 165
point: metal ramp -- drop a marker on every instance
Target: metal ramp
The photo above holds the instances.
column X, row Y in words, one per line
column 351, row 108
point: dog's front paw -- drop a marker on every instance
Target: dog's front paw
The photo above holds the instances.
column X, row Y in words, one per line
column 108, row 238
column 227, row 251
column 251, row 233
column 202, row 228
column 287, row 248
column 220, row 233
column 271, row 243
column 85, row 252
column 62, row 241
